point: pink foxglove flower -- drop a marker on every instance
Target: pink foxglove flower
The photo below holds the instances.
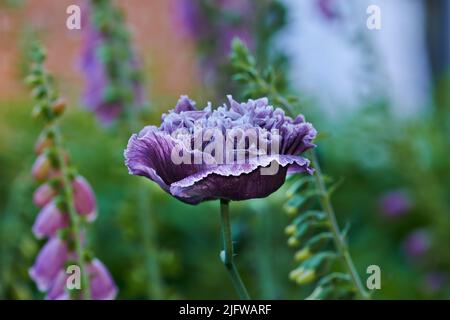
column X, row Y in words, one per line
column 49, row 221
column 43, row 195
column 58, row 288
column 49, row 262
column 102, row 283
column 84, row 198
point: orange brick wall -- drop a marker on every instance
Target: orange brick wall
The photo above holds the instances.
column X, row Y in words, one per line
column 167, row 55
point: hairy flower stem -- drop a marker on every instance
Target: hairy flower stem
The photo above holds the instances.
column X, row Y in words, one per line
column 246, row 68
column 74, row 218
column 327, row 207
column 340, row 243
column 227, row 255
column 75, row 223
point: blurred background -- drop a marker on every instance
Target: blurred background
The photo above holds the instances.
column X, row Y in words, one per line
column 379, row 98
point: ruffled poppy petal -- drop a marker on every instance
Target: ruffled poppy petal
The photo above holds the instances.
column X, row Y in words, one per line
column 149, row 154
column 256, row 179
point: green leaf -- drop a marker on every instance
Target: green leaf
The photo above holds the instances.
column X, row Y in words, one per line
column 319, row 241
column 298, row 185
column 315, row 215
column 335, row 279
column 319, row 259
column 305, row 229
column 333, row 286
column 320, row 293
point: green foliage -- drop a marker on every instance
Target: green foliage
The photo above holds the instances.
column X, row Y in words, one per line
column 313, row 227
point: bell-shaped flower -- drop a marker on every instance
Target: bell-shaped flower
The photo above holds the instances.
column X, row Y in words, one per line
column 49, row 262
column 49, row 220
column 101, row 282
column 84, row 198
column 43, row 195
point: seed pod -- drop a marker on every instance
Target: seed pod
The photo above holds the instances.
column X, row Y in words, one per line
column 290, row 230
column 59, row 106
column 302, row 254
column 302, row 276
column 293, row 242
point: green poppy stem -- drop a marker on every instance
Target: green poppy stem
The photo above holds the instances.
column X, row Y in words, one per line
column 227, row 253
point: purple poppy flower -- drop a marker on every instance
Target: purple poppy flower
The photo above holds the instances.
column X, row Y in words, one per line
column 43, row 195
column 235, row 147
column 101, row 281
column 84, row 198
column 395, row 203
column 49, row 262
column 49, row 220
column 417, row 243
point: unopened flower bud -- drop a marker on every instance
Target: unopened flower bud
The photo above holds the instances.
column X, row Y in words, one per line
column 59, row 106
column 302, row 255
column 305, row 276
column 290, row 230
column 44, row 141
column 293, row 242
column 41, row 167
column 39, row 92
column 290, row 210
column 33, row 80
column 302, row 276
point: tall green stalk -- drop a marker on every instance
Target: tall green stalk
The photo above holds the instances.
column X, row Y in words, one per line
column 227, row 255
column 339, row 242
column 257, row 83
column 74, row 218
column 46, row 95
